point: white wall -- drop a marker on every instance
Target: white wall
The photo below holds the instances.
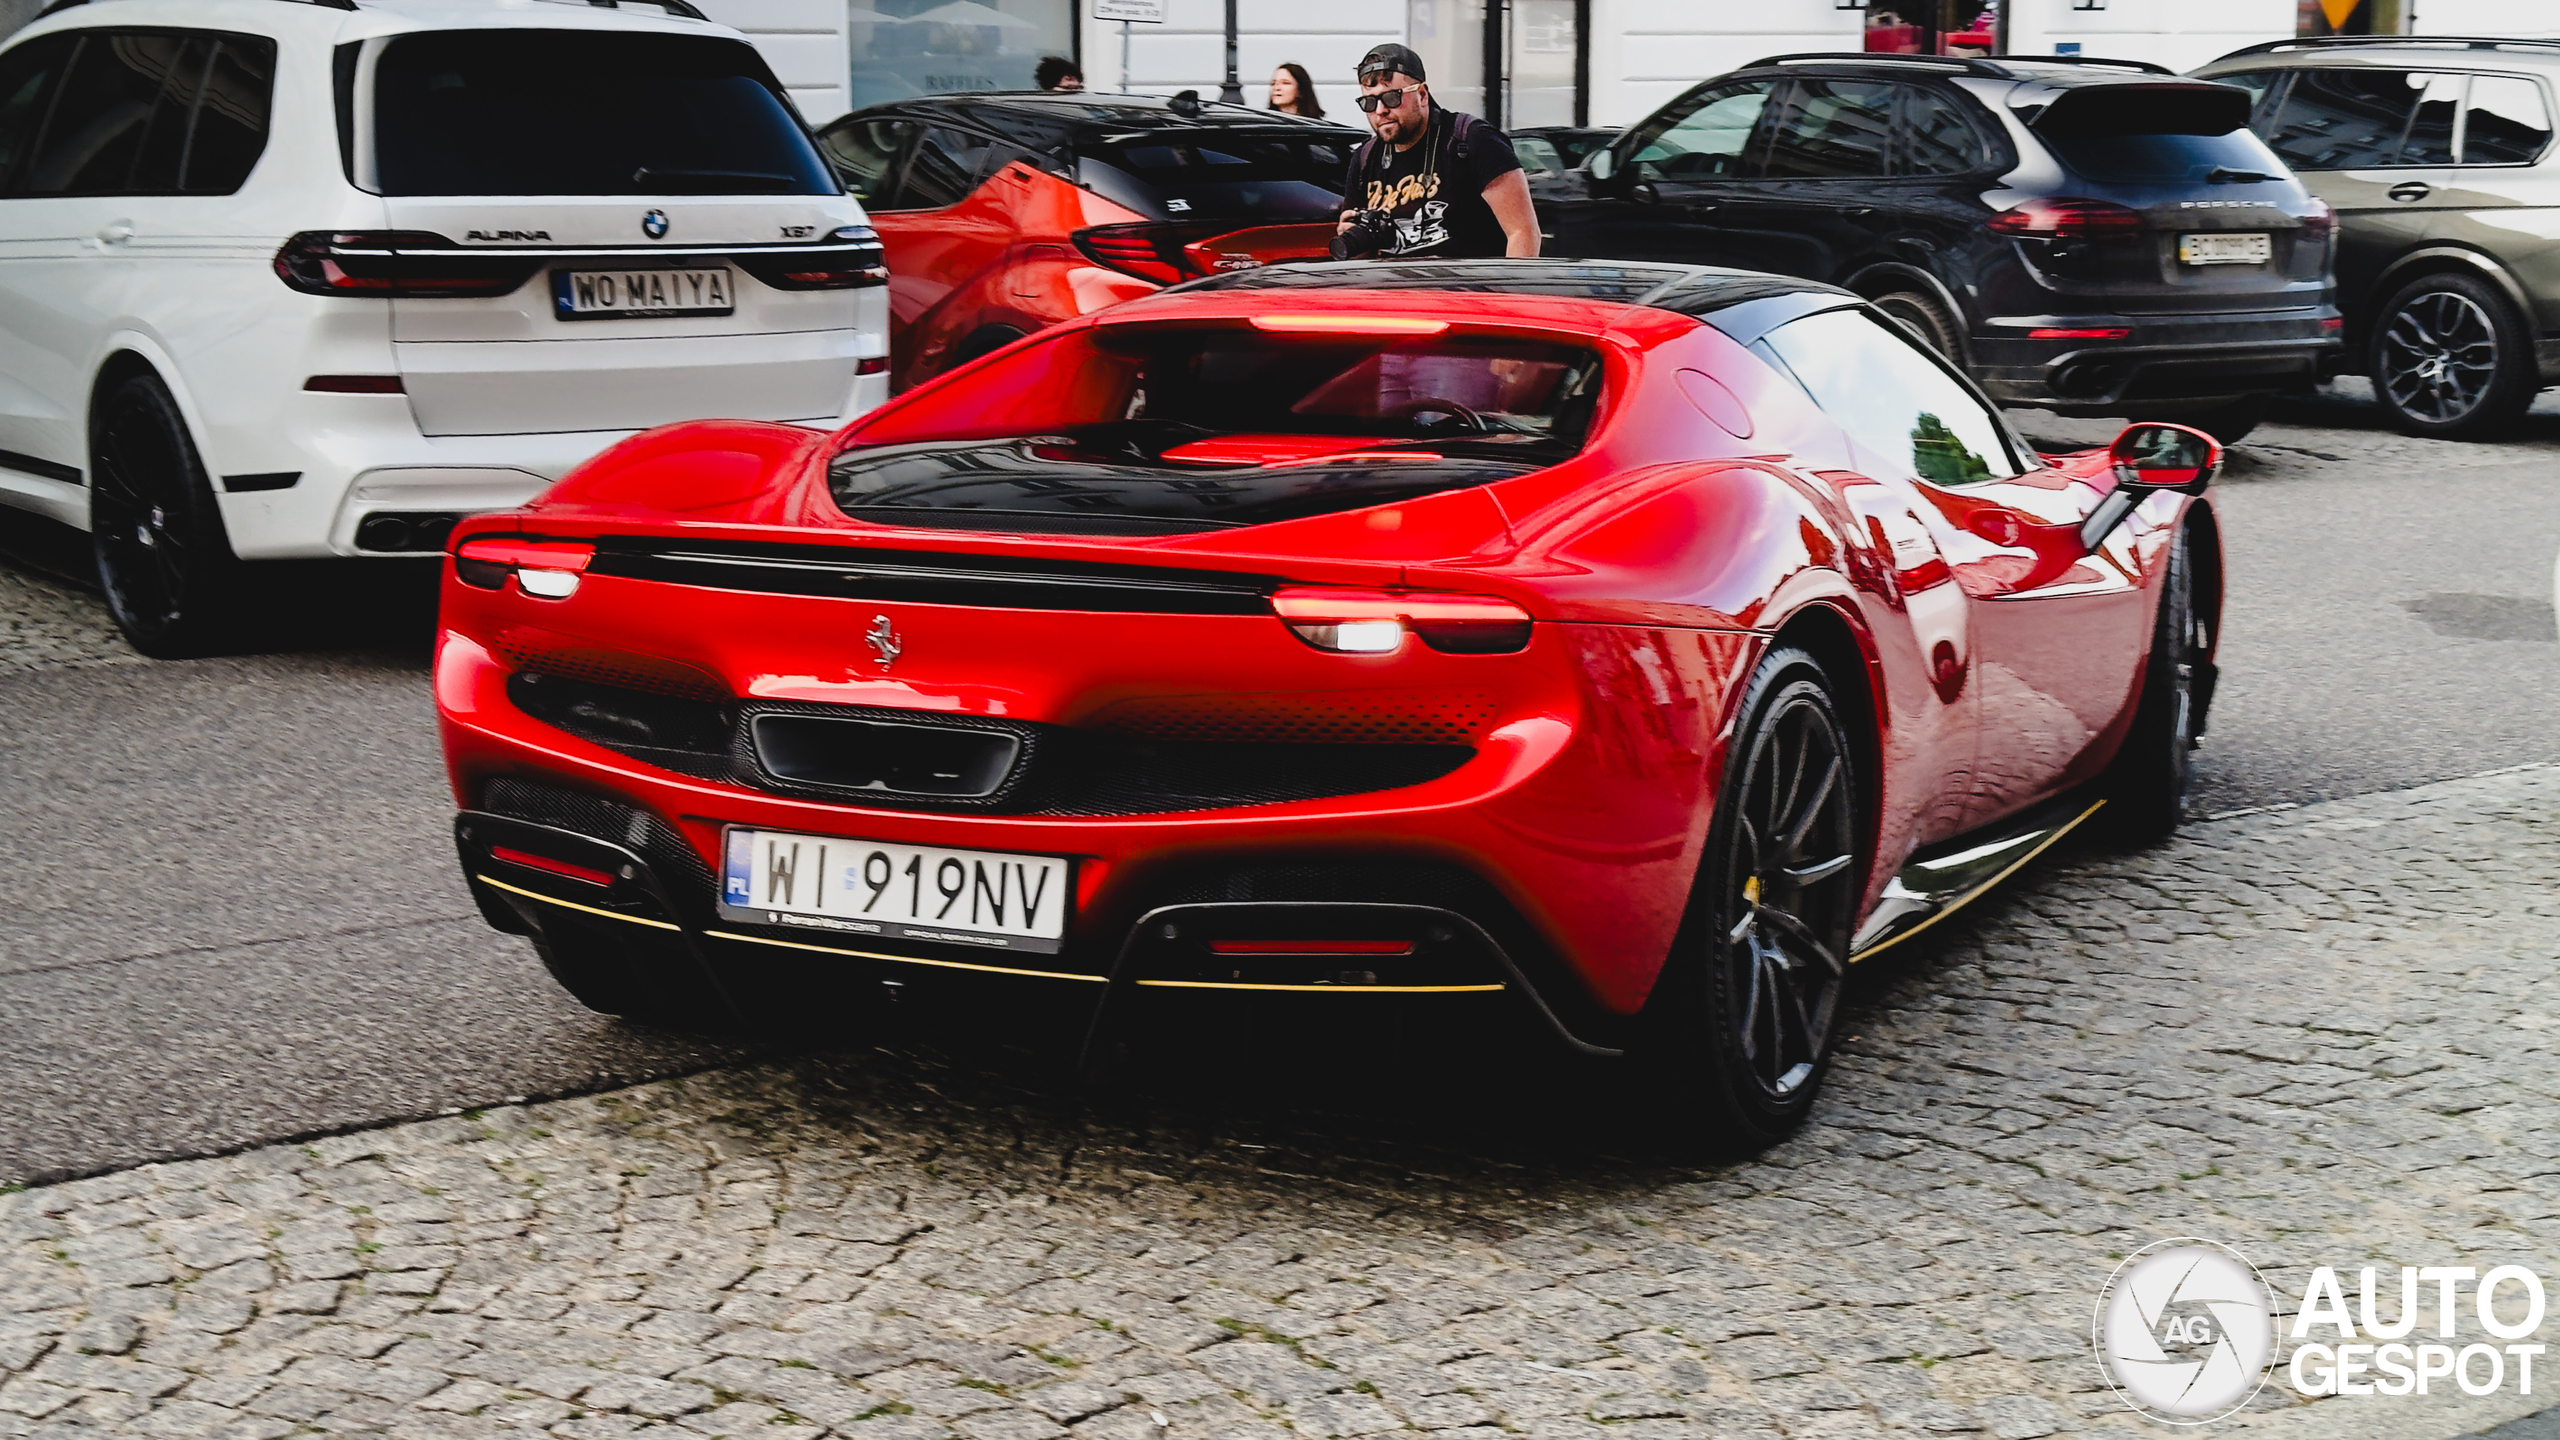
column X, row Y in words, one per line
column 2180, row 34
column 1188, row 51
column 1643, row 52
column 803, row 40
column 2519, row 19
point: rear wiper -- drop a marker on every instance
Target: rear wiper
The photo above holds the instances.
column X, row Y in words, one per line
column 2225, row 175
column 714, row 182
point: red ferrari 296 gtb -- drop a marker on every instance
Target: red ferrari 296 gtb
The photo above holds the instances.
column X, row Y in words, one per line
column 1640, row 644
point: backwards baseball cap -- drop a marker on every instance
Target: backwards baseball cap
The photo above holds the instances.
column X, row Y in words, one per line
column 1391, row 59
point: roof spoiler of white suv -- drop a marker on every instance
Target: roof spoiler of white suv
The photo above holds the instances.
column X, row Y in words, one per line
column 684, row 8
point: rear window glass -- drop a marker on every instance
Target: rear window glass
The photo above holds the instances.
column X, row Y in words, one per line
column 1276, row 179
column 1167, row 430
column 2164, row 140
column 583, row 112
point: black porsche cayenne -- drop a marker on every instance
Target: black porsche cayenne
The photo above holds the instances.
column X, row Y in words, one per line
column 2096, row 237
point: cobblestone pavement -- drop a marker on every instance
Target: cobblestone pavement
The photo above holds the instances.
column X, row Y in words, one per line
column 47, row 624
column 2325, row 1035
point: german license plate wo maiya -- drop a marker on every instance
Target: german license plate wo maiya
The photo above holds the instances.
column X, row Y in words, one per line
column 988, row 899
column 642, row 294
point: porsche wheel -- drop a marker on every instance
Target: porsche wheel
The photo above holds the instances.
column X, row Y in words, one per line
column 163, row 559
column 1926, row 318
column 2451, row 358
column 2148, row 782
column 1740, row 1028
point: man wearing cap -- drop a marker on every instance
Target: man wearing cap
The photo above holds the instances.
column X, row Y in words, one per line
column 1429, row 182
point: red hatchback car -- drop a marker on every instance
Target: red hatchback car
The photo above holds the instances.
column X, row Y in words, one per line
column 1004, row 213
column 1641, row 643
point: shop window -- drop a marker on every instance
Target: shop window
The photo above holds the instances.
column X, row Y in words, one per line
column 903, row 48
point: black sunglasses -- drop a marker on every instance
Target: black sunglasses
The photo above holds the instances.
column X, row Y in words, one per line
column 1383, row 100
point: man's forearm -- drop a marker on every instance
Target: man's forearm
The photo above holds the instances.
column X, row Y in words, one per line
column 1509, row 198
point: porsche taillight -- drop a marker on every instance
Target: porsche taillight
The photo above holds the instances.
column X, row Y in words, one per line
column 2066, row 220
column 546, row 569
column 396, row 265
column 1375, row 622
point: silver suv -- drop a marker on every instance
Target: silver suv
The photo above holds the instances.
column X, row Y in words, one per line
column 2437, row 156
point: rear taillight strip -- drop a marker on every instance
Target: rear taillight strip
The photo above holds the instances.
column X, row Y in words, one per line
column 401, row 264
column 928, row 578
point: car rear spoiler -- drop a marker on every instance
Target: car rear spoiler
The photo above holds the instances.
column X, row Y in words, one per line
column 2138, row 107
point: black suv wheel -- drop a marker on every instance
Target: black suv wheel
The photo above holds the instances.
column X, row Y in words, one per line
column 2450, row 358
column 164, row 560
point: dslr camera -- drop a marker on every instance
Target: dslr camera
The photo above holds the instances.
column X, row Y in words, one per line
column 1369, row 233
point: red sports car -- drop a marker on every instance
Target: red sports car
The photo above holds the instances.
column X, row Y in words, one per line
column 1642, row 644
column 1003, row 213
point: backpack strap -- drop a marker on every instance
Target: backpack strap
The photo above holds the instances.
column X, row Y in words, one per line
column 1360, row 161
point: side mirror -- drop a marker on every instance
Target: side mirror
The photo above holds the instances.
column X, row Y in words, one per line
column 2165, row 457
column 1602, row 164
column 2148, row 458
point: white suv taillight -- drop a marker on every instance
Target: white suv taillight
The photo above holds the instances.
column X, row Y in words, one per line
column 396, row 264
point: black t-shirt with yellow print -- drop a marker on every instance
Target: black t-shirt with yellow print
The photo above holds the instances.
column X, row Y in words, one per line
column 1435, row 190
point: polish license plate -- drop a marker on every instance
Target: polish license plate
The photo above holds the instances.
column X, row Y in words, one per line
column 642, row 294
column 986, row 898
column 2249, row 248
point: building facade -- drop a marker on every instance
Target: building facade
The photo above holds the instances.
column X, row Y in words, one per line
column 1553, row 62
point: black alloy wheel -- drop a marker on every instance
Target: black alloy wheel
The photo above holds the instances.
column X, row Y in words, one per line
column 2450, row 358
column 1926, row 318
column 1741, row 1025
column 2148, row 781
column 163, row 558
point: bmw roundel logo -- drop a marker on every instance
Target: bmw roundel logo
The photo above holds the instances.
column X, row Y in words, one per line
column 654, row 224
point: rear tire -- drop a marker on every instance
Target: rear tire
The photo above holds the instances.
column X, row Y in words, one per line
column 2451, row 359
column 985, row 340
column 2148, row 782
column 1923, row 316
column 1738, row 1033
column 164, row 560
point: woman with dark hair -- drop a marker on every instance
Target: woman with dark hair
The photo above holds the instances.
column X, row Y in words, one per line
column 1057, row 72
column 1292, row 93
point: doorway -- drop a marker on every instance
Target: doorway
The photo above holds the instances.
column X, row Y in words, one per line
column 1936, row 27
column 2317, row 18
column 1539, row 50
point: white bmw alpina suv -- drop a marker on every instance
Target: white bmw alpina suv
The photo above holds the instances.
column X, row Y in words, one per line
column 283, row 279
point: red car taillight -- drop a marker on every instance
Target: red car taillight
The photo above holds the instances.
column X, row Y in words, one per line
column 1374, row 622
column 2319, row 222
column 395, row 264
column 1147, row 250
column 2066, row 220
column 548, row 569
